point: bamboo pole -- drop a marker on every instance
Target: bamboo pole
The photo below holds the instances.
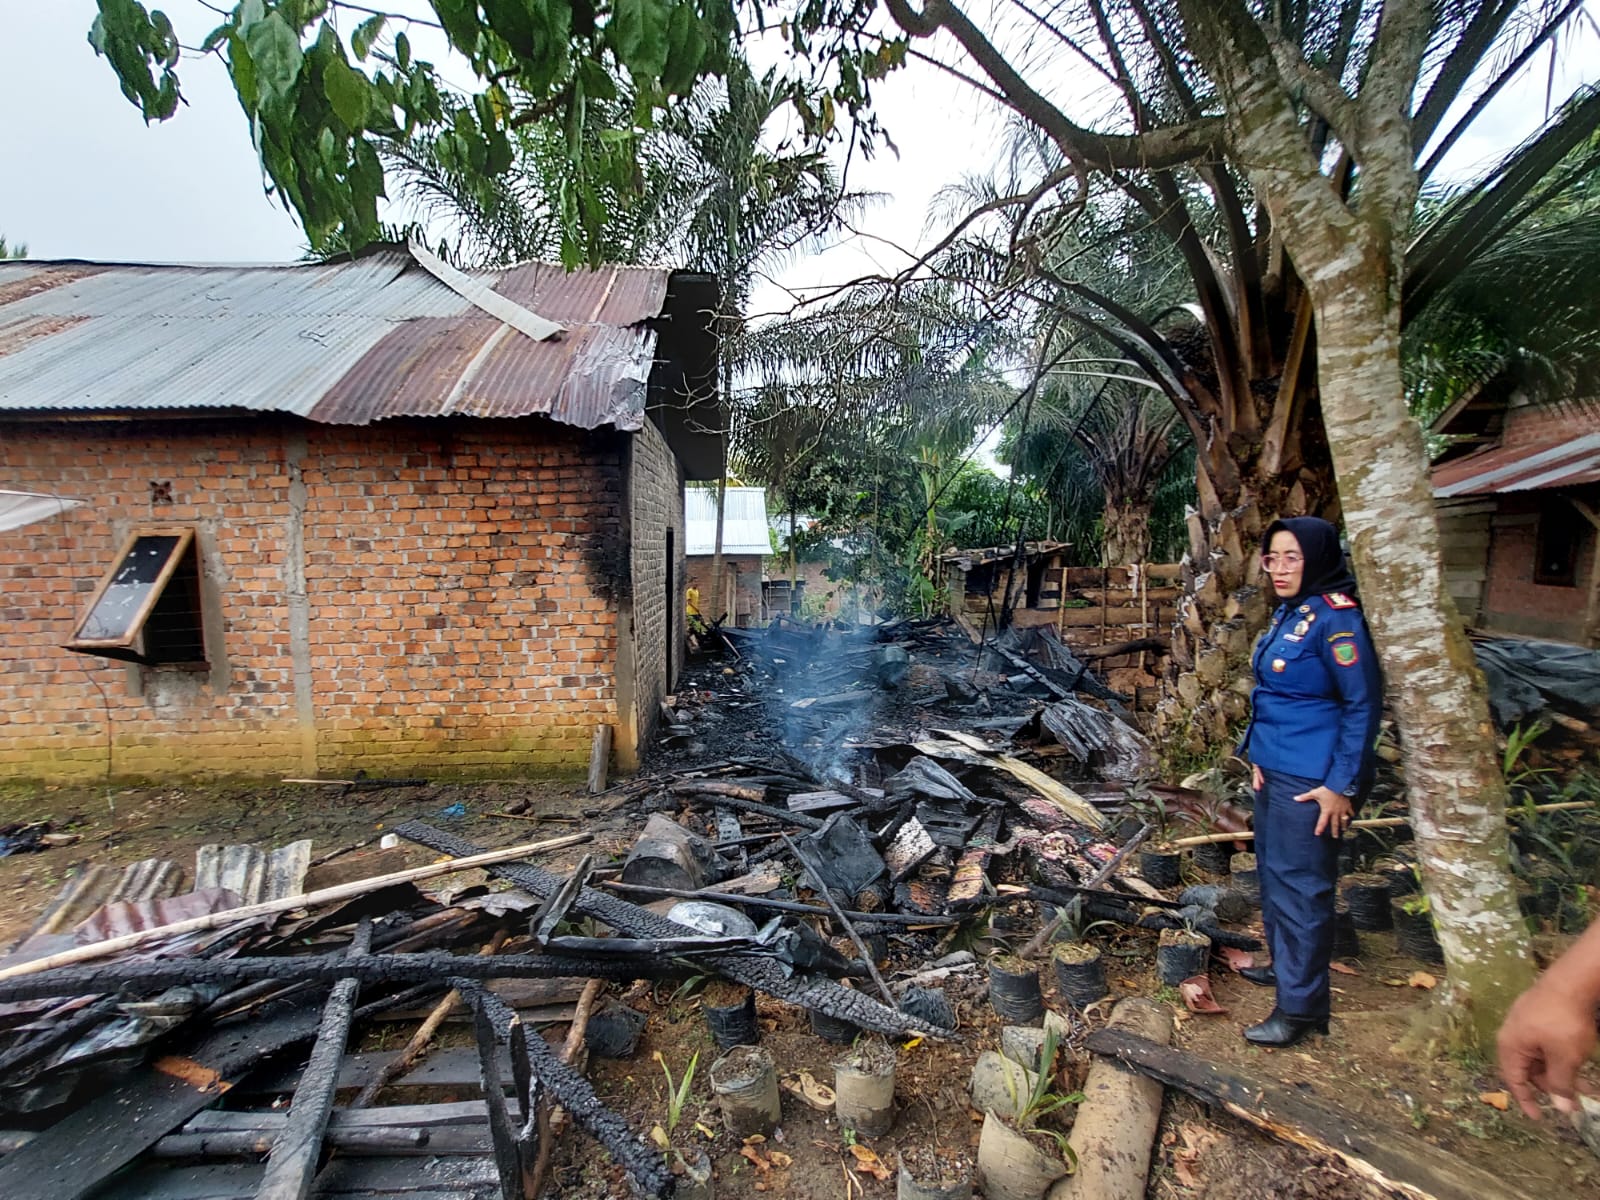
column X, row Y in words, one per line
column 267, row 908
column 1374, row 823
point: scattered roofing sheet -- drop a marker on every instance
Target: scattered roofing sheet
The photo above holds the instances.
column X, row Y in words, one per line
column 24, row 508
column 744, row 521
column 1559, row 462
column 342, row 343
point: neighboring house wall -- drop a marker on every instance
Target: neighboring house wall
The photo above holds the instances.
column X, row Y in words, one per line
column 1464, row 541
column 1513, row 601
column 655, row 629
column 741, row 580
column 411, row 597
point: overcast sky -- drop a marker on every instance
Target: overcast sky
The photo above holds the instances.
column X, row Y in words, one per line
column 84, row 177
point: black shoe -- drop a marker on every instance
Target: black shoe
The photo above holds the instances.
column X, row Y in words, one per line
column 1281, row 1029
column 1260, row 976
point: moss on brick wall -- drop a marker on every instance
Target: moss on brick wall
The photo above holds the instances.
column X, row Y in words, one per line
column 457, row 619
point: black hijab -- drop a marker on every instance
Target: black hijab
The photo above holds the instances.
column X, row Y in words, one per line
column 1325, row 569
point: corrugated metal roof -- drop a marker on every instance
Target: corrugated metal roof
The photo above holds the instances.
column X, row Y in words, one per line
column 340, row 343
column 1567, row 462
column 744, row 521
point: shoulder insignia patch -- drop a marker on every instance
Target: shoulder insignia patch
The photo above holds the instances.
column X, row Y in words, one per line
column 1334, row 637
column 1345, row 654
column 1339, row 600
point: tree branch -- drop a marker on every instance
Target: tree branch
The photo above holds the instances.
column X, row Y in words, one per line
column 1149, row 150
column 1321, row 93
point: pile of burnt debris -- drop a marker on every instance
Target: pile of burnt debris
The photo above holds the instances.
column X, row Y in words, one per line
column 895, row 789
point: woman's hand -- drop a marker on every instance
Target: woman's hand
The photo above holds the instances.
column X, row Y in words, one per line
column 1337, row 812
column 1256, row 782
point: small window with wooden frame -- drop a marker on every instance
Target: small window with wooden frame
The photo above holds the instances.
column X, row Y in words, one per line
column 1556, row 545
column 146, row 608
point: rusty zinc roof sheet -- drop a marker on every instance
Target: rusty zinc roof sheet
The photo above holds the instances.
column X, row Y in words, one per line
column 1562, row 462
column 340, row 343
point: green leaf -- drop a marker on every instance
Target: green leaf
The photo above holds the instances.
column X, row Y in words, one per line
column 596, row 80
column 638, row 35
column 686, row 47
column 275, row 50
column 402, row 50
column 349, row 93
column 461, row 23
column 366, row 33
column 251, row 11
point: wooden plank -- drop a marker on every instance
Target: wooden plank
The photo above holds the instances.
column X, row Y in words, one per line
column 398, row 1139
column 815, row 802
column 410, row 1116
column 366, row 1178
column 78, row 1153
column 1382, row 1155
column 599, row 759
column 297, row 1149
column 454, row 1067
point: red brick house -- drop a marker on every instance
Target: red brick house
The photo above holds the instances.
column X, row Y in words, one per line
column 745, row 547
column 1518, row 497
column 374, row 515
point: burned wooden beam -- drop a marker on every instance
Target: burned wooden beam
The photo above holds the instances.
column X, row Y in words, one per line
column 571, row 1090
column 372, row 968
column 838, row 914
column 1381, row 1154
column 763, row 974
column 515, row 1145
column 730, row 795
column 553, row 909
column 296, row 1151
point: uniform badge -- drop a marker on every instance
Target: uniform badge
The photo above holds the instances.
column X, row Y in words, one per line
column 1303, row 627
column 1339, row 600
column 1278, row 664
column 1345, row 654
column 1294, row 637
column 1305, row 608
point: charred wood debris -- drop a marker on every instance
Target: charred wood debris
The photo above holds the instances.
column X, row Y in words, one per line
column 825, row 818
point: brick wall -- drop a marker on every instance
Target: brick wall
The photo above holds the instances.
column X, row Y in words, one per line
column 741, row 578
column 1513, row 602
column 408, row 598
column 1546, row 422
column 654, row 627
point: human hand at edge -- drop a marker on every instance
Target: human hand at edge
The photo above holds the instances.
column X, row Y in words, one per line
column 1337, row 812
column 1547, row 1036
column 1256, row 782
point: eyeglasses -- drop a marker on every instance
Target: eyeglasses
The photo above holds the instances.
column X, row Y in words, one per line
column 1287, row 562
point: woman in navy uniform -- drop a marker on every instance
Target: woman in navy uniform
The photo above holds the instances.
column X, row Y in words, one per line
column 1316, row 705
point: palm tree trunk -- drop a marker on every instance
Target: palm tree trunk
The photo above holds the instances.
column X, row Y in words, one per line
column 1456, row 790
column 1127, row 532
column 1352, row 262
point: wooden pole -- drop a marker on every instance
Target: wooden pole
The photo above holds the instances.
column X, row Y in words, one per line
column 599, row 759
column 1374, row 823
column 1115, row 1128
column 344, row 891
column 292, row 1163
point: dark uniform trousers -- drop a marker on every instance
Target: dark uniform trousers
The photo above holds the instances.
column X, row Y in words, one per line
column 1298, row 873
